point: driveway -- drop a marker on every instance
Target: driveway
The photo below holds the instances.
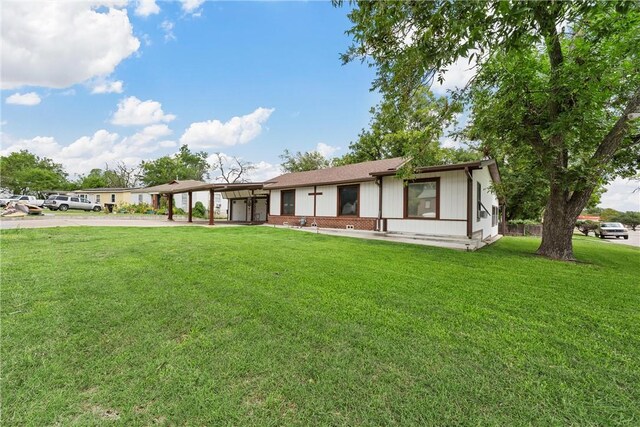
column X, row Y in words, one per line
column 634, row 239
column 50, row 220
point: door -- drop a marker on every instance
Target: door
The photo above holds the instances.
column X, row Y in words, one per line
column 260, row 210
column 239, row 210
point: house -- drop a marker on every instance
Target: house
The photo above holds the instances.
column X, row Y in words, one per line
column 449, row 200
column 446, row 200
column 151, row 195
column 108, row 196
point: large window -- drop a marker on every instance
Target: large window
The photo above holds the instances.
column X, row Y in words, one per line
column 422, row 199
column 348, row 200
column 288, row 202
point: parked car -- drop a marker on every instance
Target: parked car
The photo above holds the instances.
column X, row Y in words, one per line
column 63, row 203
column 611, row 229
column 21, row 198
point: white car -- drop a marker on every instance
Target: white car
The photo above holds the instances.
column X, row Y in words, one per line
column 63, row 203
column 611, row 229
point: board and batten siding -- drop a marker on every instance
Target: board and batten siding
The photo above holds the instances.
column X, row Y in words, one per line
column 368, row 200
column 327, row 203
column 274, row 202
column 453, row 195
column 304, row 202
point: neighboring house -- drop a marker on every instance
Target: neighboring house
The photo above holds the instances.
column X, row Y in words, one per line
column 152, row 195
column 450, row 200
column 107, row 196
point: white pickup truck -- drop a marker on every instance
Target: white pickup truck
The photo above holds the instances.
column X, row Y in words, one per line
column 21, row 198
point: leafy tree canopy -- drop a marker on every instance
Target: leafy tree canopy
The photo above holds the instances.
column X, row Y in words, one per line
column 556, row 85
column 23, row 172
column 181, row 166
column 300, row 162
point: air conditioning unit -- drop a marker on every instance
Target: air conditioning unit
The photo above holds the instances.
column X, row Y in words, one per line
column 483, row 214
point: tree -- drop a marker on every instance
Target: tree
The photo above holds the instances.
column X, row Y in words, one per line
column 557, row 83
column 629, row 218
column 232, row 169
column 300, row 162
column 183, row 165
column 586, row 226
column 94, row 179
column 23, row 173
column 410, row 128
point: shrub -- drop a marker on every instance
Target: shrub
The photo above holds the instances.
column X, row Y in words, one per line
column 586, row 226
column 199, row 211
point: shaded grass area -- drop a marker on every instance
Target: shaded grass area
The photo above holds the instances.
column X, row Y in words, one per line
column 258, row 326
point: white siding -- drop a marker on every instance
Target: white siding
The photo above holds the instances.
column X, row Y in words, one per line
column 327, row 203
column 368, row 200
column 422, row 226
column 135, row 198
column 238, row 210
column 274, row 203
column 304, row 202
column 453, row 193
column 392, row 197
column 488, row 199
column 182, row 199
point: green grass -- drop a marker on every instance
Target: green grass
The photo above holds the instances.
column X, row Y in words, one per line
column 258, row 326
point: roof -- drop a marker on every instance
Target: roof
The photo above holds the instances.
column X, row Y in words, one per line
column 176, row 186
column 357, row 172
column 102, row 190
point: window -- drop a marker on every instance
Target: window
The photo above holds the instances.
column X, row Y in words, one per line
column 478, row 201
column 495, row 214
column 113, row 198
column 185, row 200
column 288, row 202
column 97, row 198
column 139, row 198
column 422, row 199
column 348, row 200
column 62, row 198
column 75, row 199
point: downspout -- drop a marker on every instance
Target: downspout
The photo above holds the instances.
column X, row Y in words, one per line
column 379, row 226
column 469, row 203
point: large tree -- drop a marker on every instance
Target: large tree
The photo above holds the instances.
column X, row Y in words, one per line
column 23, row 172
column 231, row 169
column 559, row 83
column 300, row 162
column 183, row 165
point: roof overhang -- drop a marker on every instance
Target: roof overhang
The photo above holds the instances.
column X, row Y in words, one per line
column 275, row 185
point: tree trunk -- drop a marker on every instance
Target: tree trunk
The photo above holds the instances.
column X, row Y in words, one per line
column 557, row 231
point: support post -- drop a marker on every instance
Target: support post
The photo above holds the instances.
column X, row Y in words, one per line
column 211, row 205
column 190, row 206
column 170, row 197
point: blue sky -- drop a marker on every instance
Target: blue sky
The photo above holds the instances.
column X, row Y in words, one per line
column 91, row 83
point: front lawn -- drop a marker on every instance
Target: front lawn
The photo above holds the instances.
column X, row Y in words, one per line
column 258, row 326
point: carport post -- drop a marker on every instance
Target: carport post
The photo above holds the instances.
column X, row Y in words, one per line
column 211, row 205
column 190, row 206
column 170, row 196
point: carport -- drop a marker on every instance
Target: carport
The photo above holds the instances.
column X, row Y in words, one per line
column 248, row 197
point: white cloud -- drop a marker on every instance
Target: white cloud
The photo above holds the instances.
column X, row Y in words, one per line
column 94, row 151
column 326, row 150
column 167, row 27
column 457, row 75
column 147, row 7
column 620, row 195
column 191, row 6
column 28, row 99
column 57, row 44
column 238, row 130
column 132, row 112
column 107, row 86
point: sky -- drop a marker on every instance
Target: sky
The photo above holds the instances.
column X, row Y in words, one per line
column 91, row 83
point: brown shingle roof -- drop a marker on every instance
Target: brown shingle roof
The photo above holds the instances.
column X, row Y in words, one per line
column 340, row 174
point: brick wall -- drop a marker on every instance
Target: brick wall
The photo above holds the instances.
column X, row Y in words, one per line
column 326, row 221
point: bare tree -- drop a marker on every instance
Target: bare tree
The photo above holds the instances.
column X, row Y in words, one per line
column 122, row 176
column 231, row 169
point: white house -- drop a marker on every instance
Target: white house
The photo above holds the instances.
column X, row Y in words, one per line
column 449, row 200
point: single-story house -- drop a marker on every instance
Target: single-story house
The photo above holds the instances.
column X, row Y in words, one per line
column 112, row 196
column 448, row 200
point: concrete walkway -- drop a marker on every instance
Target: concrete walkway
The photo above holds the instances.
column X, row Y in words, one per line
column 449, row 242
